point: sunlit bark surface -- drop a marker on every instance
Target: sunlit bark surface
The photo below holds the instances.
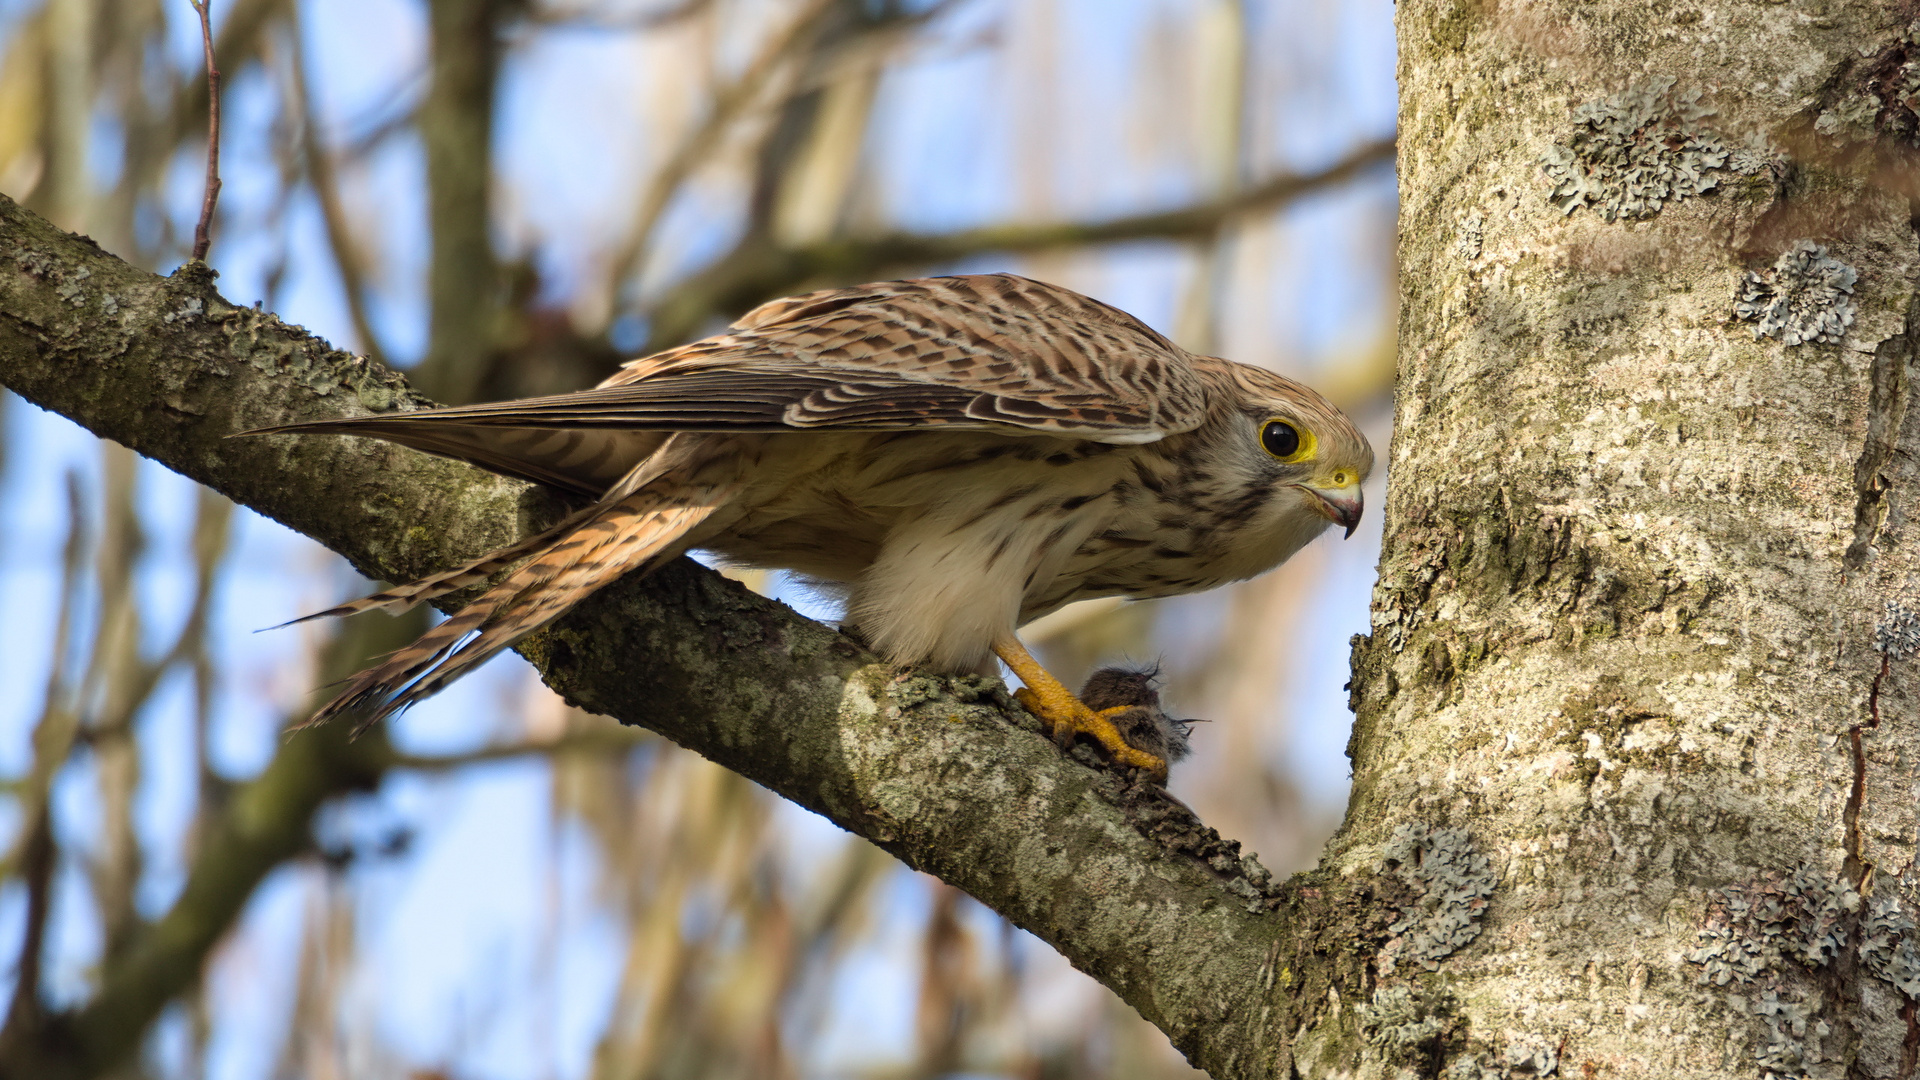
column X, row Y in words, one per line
column 1642, row 625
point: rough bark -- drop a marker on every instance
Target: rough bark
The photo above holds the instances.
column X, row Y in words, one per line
column 1650, row 485
column 946, row 774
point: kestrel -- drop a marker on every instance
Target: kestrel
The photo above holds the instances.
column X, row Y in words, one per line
column 960, row 454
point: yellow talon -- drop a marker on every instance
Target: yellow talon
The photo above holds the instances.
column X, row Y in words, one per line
column 1066, row 715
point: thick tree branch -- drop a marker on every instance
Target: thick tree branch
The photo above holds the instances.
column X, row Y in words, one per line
column 942, row 773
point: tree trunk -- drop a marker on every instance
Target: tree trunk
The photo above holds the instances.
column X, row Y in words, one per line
column 1639, row 637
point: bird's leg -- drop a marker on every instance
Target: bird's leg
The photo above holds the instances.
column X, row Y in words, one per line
column 1064, row 714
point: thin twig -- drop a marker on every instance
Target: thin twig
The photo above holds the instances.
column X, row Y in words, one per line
column 202, row 232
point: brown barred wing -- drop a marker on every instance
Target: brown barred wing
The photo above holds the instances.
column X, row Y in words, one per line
column 982, row 351
column 992, row 352
column 580, row 459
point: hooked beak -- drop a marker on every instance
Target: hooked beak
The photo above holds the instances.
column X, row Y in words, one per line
column 1342, row 506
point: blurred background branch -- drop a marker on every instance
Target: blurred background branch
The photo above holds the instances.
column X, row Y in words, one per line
column 760, row 268
column 456, row 131
column 349, row 257
column 511, row 196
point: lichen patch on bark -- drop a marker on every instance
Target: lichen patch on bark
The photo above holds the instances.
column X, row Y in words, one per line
column 1636, row 553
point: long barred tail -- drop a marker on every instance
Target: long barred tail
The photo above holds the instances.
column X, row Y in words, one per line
column 612, row 539
column 432, row 587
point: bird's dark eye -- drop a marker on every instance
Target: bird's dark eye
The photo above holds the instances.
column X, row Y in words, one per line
column 1284, row 441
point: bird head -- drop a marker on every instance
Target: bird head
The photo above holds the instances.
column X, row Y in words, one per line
column 1301, row 458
